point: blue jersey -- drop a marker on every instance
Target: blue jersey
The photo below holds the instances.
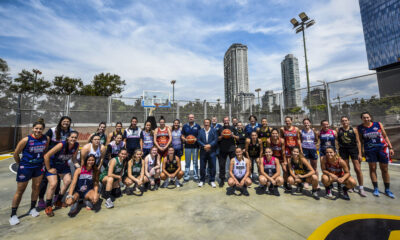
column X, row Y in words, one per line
column 32, row 154
column 132, row 136
column 51, row 133
column 176, row 139
column 85, row 181
column 249, row 129
column 372, row 137
column 327, row 139
column 62, row 157
column 217, row 126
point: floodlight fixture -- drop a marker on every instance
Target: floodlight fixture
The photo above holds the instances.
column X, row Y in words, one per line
column 303, row 16
column 294, row 22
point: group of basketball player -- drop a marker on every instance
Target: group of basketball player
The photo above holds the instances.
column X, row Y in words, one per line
column 140, row 158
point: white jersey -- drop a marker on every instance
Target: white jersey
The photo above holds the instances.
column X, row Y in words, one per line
column 151, row 162
column 96, row 153
column 239, row 168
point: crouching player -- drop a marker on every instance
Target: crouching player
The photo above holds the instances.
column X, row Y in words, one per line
column 239, row 171
column 270, row 172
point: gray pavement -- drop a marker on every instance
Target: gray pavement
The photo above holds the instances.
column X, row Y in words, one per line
column 193, row 213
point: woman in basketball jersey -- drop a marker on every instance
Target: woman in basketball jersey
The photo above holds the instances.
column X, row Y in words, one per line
column 118, row 130
column 95, row 148
column 113, row 148
column 350, row 147
column 56, row 163
column 254, row 151
column 326, row 138
column 301, row 171
column 171, row 169
column 270, row 172
column 152, row 164
column 309, row 140
column 146, row 139
column 112, row 176
column 265, row 132
column 85, row 185
column 377, row 148
column 335, row 169
column 100, row 132
column 134, row 173
column 162, row 138
column 239, row 172
column 30, row 167
column 176, row 142
column 291, row 134
column 242, row 136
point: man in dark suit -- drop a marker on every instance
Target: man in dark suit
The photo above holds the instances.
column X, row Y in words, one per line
column 208, row 140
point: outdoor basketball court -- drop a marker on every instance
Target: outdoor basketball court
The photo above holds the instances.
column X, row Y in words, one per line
column 206, row 213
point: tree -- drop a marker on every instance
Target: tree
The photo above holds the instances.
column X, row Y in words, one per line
column 25, row 83
column 5, row 79
column 104, row 85
column 66, row 85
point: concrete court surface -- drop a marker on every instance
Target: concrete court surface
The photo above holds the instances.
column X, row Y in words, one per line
column 193, row 213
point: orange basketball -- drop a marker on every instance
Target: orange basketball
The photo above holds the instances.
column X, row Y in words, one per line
column 190, row 139
column 226, row 133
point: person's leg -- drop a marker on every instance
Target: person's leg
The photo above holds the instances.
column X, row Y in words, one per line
column 90, row 196
column 21, row 186
column 211, row 163
column 66, row 182
column 43, row 188
column 360, row 178
column 35, row 193
column 279, row 180
column 179, row 175
column 372, row 174
column 196, row 164
column 203, row 165
column 52, row 179
column 247, row 182
column 231, row 182
column 386, row 178
column 263, row 180
column 222, row 163
column 188, row 158
column 163, row 176
column 291, row 180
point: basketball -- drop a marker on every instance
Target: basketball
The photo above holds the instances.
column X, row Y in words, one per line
column 226, row 133
column 190, row 139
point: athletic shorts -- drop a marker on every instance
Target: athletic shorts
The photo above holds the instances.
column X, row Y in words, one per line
column 82, row 195
column 381, row 155
column 347, row 153
column 239, row 179
column 61, row 169
column 25, row 174
column 310, row 153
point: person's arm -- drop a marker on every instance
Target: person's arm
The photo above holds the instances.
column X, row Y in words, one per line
column 385, row 136
column 311, row 170
column 285, row 161
column 346, row 171
column 75, row 158
column 235, row 134
column 299, row 139
column 358, row 144
column 84, row 153
column 261, row 148
column 214, row 141
column 103, row 154
column 318, row 140
column 200, row 139
column 247, row 174
column 361, row 141
column 183, row 134
column 141, row 140
column 74, row 181
column 289, row 168
column 109, row 138
column 278, row 168
column 169, row 138
column 246, row 146
column 231, row 170
column 179, row 166
column 146, row 167
column 111, row 169
column 48, row 155
column 19, row 149
column 336, row 140
column 155, row 138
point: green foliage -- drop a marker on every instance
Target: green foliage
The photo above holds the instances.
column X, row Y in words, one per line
column 5, row 79
column 25, row 83
column 66, row 85
column 104, row 85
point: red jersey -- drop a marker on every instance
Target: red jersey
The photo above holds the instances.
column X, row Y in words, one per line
column 291, row 137
column 162, row 137
column 334, row 168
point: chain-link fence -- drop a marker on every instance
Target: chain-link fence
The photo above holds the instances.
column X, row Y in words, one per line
column 327, row 101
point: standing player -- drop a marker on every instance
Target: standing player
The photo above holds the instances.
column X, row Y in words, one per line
column 327, row 138
column 270, row 172
column 30, row 167
column 377, row 148
column 191, row 149
column 152, row 167
column 118, row 130
column 146, row 139
column 176, row 134
column 350, row 147
column 334, row 169
column 265, row 132
column 308, row 143
column 226, row 148
column 113, row 148
column 100, row 132
column 291, row 135
column 96, row 149
column 162, row 138
column 132, row 137
column 253, row 126
column 254, row 152
column 56, row 162
column 301, row 171
column 239, row 172
column 242, row 136
column 171, row 169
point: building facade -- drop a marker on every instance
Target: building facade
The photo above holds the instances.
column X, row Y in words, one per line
column 270, row 100
column 381, row 25
column 236, row 77
column 291, row 81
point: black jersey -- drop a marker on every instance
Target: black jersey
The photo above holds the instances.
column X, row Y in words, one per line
column 171, row 165
column 254, row 149
column 242, row 139
column 347, row 139
column 264, row 135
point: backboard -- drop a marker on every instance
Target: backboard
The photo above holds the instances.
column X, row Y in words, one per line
column 152, row 99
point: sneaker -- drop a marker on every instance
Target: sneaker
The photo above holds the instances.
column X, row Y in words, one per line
column 389, row 193
column 350, row 190
column 142, row 188
column 245, row 192
column 376, row 192
column 58, row 203
column 49, row 211
column 13, row 220
column 299, row 188
column 73, row 210
column 221, row 183
column 362, row 193
column 230, row 191
column 89, row 205
column 288, row 189
column 109, row 203
column 200, row 184
column 329, row 194
column 271, row 189
column 165, row 184
column 345, row 195
column 34, row 213
column 41, row 204
column 315, row 195
column 276, row 191
column 213, row 185
column 177, row 183
column 261, row 189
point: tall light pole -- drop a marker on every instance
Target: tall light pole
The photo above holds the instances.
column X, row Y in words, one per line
column 258, row 100
column 173, row 97
column 306, row 22
column 36, row 72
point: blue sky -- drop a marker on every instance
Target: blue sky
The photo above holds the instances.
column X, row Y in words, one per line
column 148, row 43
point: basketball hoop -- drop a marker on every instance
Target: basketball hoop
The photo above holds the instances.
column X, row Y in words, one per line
column 156, row 104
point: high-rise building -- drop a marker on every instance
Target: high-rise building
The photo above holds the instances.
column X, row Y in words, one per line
column 269, row 100
column 291, row 81
column 380, row 20
column 236, row 77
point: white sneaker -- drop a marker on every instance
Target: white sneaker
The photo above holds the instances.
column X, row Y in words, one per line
column 213, row 185
column 33, row 212
column 109, row 203
column 13, row 220
column 201, row 184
